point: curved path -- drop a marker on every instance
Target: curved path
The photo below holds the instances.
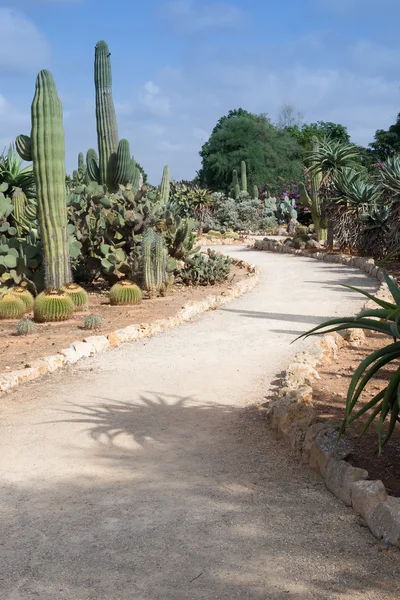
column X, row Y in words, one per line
column 138, row 475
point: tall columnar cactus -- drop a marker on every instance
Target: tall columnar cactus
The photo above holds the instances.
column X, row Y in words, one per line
column 235, row 179
column 107, row 129
column 46, row 148
column 243, row 172
column 237, row 191
column 255, row 192
column 165, row 185
column 147, row 257
column 314, row 202
column 155, row 276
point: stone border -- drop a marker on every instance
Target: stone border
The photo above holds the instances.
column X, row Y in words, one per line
column 98, row 344
column 292, row 415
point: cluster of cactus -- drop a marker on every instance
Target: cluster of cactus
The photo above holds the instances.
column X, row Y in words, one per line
column 114, row 164
column 237, row 186
column 109, row 227
column 125, row 293
column 206, row 269
column 92, row 322
column 25, row 327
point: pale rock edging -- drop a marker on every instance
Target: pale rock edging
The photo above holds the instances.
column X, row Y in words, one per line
column 292, row 415
column 98, row 344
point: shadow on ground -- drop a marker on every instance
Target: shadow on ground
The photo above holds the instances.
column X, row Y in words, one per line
column 186, row 501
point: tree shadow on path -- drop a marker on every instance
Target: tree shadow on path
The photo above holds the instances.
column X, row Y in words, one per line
column 185, row 500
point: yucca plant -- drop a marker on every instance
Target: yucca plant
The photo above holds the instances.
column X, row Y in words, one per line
column 386, row 403
column 329, row 156
column 390, row 174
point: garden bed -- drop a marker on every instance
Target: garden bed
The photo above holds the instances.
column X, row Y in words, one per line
column 329, row 402
column 17, row 352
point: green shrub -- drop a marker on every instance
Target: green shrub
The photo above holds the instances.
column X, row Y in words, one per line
column 206, row 269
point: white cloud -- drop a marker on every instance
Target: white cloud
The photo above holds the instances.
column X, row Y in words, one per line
column 22, row 47
column 191, row 16
column 153, row 101
column 359, row 6
column 12, row 122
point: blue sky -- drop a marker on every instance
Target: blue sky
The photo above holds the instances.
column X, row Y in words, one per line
column 179, row 65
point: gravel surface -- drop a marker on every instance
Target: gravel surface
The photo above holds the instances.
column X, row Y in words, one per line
column 145, row 474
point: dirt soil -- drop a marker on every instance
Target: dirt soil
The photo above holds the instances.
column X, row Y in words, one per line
column 16, row 352
column 329, row 399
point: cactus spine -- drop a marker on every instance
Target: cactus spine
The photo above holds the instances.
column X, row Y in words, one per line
column 107, row 130
column 48, row 155
column 243, row 170
column 164, row 188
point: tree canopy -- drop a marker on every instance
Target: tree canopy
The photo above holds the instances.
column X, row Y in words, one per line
column 386, row 142
column 321, row 129
column 272, row 155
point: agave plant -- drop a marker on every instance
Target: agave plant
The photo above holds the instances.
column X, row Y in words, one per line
column 14, row 174
column 355, row 187
column 390, row 174
column 329, row 156
column 386, row 403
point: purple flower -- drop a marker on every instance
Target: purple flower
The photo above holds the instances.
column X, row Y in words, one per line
column 379, row 165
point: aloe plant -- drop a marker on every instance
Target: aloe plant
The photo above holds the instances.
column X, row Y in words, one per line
column 386, row 403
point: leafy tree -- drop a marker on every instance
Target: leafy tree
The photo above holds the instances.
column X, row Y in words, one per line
column 386, row 143
column 271, row 154
column 321, row 129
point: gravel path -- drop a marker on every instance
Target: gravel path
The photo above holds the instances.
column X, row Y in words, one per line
column 140, row 475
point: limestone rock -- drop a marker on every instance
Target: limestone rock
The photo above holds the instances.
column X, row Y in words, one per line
column 82, row 349
column 56, row 361
column 340, row 476
column 327, row 445
column 366, row 495
column 99, row 342
column 384, row 521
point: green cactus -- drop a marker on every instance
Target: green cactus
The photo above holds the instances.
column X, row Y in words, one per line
column 107, row 129
column 237, row 191
column 23, row 146
column 243, row 170
column 149, row 283
column 77, row 294
column 25, row 327
column 92, row 163
column 48, row 154
column 235, row 179
column 124, row 165
column 23, row 294
column 53, row 305
column 165, row 186
column 125, row 293
column 160, row 263
column 314, row 202
column 92, row 322
column 255, row 192
column 11, row 307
